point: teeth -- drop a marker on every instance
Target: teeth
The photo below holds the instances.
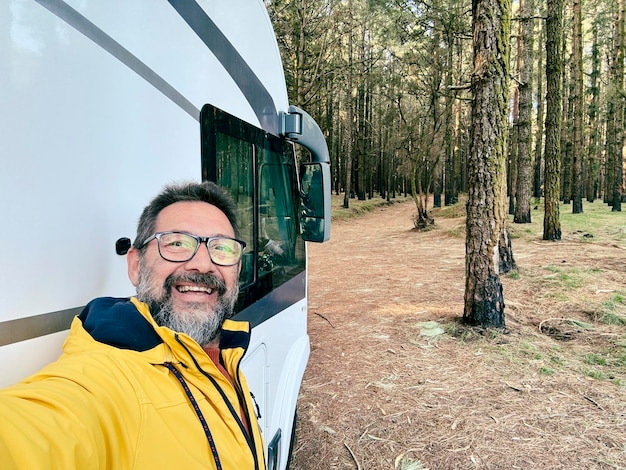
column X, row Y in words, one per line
column 208, row 290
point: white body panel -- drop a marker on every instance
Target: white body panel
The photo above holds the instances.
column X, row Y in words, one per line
column 87, row 142
column 29, row 355
column 277, row 400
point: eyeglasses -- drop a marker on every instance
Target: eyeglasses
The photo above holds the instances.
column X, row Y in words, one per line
column 179, row 247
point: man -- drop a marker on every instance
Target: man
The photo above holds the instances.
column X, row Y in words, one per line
column 152, row 381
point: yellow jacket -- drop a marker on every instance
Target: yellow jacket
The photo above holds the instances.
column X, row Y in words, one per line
column 113, row 400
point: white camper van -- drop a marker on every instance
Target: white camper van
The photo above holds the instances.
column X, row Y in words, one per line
column 104, row 102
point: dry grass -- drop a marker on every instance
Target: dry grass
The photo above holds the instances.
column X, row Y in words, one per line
column 395, row 380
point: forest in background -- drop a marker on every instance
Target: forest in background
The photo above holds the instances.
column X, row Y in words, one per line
column 389, row 83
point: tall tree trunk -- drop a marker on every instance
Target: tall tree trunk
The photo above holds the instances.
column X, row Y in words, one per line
column 511, row 173
column 369, row 131
column 566, row 135
column 577, row 110
column 451, row 175
column 611, row 131
column 438, row 183
column 552, row 154
column 461, row 133
column 448, row 146
column 591, row 175
column 486, row 203
column 349, row 121
column 299, row 69
column 461, row 147
column 618, row 85
column 511, row 170
column 538, row 167
column 361, row 119
column 524, row 155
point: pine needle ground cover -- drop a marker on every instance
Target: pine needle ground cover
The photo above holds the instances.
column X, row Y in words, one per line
column 396, row 381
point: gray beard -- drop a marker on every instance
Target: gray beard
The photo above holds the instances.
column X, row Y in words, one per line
column 202, row 330
column 194, row 320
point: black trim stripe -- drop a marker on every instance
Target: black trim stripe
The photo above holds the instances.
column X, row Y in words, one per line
column 241, row 73
column 90, row 30
column 21, row 329
column 275, row 301
column 253, row 90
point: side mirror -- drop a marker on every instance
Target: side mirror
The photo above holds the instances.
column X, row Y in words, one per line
column 315, row 201
column 122, row 246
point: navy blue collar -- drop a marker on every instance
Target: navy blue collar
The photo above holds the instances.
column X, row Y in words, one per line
column 118, row 323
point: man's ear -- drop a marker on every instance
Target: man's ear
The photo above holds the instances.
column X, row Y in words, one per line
column 132, row 259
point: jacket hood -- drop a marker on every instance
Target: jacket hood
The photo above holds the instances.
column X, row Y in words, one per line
column 126, row 323
column 118, row 323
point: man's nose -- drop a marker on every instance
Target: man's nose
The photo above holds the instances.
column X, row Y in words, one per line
column 201, row 261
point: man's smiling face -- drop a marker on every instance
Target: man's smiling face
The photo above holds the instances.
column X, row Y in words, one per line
column 195, row 296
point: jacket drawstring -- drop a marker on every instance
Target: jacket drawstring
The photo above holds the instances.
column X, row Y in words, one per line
column 196, row 408
column 248, row 435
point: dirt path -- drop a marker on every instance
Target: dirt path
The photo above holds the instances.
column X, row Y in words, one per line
column 379, row 393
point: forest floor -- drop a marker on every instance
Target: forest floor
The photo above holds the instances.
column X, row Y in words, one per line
column 395, row 381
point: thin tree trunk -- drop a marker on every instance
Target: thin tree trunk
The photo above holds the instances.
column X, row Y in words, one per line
column 618, row 84
column 349, row 123
column 591, row 175
column 448, row 146
column 512, row 159
column 552, row 154
column 361, row 114
column 538, row 173
column 577, row 110
column 566, row 136
column 524, row 155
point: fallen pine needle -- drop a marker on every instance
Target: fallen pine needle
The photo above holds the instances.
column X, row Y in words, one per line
column 358, row 465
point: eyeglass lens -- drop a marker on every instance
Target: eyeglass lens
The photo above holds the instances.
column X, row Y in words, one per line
column 181, row 247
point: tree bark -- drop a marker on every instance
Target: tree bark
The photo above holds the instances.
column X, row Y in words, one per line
column 538, row 167
column 552, row 154
column 524, row 155
column 486, row 203
column 361, row 119
column 566, row 134
column 578, row 111
column 618, row 85
column 349, row 122
column 591, row 175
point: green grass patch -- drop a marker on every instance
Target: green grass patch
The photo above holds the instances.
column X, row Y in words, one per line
column 357, row 207
column 609, row 365
column 566, row 278
column 596, row 224
column 594, row 359
column 557, row 361
column 514, row 275
column 450, row 212
column 611, row 318
column 611, row 311
column 456, row 232
column 595, row 374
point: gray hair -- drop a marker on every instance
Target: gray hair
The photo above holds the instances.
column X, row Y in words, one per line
column 207, row 191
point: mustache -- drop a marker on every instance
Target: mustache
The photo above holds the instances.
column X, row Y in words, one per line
column 207, row 279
